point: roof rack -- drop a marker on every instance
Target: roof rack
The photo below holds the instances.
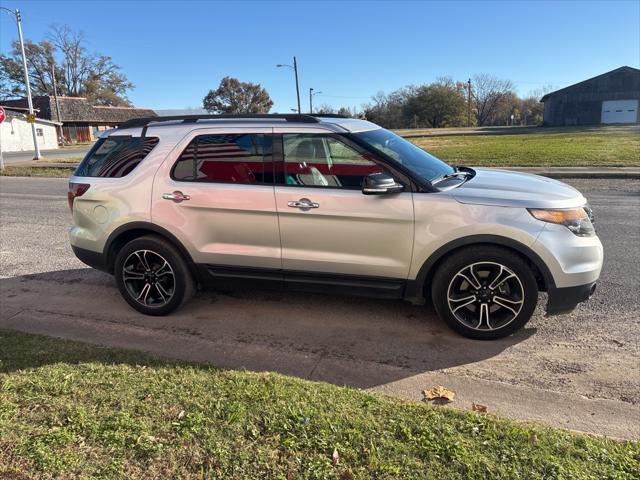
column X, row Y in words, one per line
column 289, row 117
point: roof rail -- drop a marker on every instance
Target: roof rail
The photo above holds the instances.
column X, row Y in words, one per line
column 289, row 117
column 328, row 115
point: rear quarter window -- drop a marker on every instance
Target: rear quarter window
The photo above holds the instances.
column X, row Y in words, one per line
column 115, row 156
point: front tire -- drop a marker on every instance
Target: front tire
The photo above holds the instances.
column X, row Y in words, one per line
column 152, row 276
column 484, row 292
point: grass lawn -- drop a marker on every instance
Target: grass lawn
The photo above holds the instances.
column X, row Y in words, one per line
column 71, row 410
column 20, row 171
column 607, row 147
column 71, row 160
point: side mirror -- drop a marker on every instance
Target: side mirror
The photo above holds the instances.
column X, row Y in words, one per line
column 380, row 183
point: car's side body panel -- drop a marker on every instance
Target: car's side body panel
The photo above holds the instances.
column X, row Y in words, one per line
column 223, row 223
column 440, row 220
column 349, row 233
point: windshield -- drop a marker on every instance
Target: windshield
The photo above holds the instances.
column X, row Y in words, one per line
column 406, row 153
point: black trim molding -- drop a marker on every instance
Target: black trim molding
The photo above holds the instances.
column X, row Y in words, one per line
column 564, row 300
column 224, row 276
column 93, row 259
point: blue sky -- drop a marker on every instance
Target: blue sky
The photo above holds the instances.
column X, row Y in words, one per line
column 176, row 51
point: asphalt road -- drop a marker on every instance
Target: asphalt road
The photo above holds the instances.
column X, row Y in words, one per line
column 581, row 370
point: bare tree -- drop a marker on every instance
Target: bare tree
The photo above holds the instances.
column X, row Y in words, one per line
column 234, row 96
column 489, row 93
column 78, row 73
column 325, row 108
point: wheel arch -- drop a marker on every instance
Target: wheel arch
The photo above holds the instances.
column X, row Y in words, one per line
column 416, row 288
column 130, row 231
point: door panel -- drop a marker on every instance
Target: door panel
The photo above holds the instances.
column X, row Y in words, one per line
column 327, row 225
column 232, row 224
column 349, row 233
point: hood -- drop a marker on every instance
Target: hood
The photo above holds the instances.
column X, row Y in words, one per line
column 505, row 188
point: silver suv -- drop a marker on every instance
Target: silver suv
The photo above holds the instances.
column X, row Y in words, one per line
column 170, row 204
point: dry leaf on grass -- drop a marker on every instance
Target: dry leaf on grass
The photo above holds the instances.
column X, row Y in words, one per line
column 335, row 457
column 439, row 393
column 476, row 407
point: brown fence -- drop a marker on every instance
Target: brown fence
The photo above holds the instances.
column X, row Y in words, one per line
column 76, row 133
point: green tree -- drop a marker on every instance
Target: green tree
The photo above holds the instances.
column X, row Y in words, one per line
column 387, row 110
column 234, row 96
column 78, row 73
column 439, row 104
column 532, row 111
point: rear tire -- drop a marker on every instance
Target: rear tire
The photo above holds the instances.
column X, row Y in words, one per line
column 152, row 276
column 484, row 292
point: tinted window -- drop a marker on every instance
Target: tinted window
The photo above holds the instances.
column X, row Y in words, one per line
column 231, row 158
column 115, row 156
column 324, row 161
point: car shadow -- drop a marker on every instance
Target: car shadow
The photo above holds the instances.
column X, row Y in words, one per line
column 342, row 339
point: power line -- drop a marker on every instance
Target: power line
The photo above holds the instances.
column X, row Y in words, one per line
column 340, row 96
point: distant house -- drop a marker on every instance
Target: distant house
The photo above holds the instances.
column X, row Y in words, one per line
column 612, row 97
column 16, row 134
column 80, row 120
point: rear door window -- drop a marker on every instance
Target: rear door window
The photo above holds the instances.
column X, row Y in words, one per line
column 229, row 158
column 115, row 156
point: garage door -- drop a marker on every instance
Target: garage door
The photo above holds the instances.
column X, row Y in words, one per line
column 619, row 111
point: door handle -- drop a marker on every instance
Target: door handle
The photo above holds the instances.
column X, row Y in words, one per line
column 176, row 196
column 304, row 204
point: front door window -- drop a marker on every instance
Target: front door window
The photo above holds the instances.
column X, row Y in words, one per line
column 316, row 160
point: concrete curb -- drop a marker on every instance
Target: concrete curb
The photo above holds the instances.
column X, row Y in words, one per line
column 628, row 173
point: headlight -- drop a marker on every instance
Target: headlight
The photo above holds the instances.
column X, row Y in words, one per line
column 576, row 219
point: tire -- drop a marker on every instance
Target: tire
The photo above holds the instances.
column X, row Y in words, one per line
column 170, row 284
column 484, row 292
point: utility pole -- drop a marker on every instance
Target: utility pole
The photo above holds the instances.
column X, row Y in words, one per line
column 311, row 94
column 469, row 103
column 295, row 71
column 55, row 96
column 18, row 17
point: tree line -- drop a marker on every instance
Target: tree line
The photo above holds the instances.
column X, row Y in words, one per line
column 483, row 100
column 64, row 58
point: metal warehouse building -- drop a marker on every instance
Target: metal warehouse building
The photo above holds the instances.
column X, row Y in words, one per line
column 612, row 97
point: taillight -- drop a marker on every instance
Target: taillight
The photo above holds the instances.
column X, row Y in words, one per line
column 76, row 190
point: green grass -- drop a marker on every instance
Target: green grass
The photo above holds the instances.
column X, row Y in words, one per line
column 71, row 410
column 72, row 160
column 18, row 171
column 609, row 147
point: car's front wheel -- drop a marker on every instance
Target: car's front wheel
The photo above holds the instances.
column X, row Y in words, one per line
column 484, row 292
column 152, row 276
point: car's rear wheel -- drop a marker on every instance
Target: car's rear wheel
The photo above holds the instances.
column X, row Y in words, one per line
column 485, row 292
column 152, row 276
